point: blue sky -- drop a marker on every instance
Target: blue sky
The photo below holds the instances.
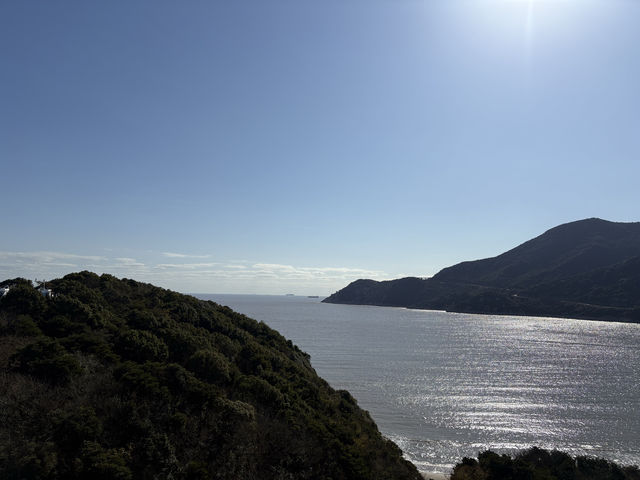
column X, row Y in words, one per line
column 294, row 146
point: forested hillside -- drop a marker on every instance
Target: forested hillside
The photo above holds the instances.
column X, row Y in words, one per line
column 115, row 379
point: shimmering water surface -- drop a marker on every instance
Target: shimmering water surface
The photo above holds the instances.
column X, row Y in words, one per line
column 446, row 385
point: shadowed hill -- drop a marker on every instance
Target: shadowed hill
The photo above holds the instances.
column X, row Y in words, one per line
column 584, row 269
column 567, row 250
column 115, row 379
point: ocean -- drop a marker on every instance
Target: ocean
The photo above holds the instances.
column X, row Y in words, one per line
column 446, row 385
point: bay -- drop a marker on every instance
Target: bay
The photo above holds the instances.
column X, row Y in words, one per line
column 446, row 385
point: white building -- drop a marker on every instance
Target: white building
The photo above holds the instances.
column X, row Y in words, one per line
column 46, row 292
column 4, row 291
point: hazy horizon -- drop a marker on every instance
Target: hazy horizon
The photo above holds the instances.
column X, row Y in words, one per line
column 293, row 147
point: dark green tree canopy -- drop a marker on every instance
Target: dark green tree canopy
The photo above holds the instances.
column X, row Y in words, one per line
column 115, row 379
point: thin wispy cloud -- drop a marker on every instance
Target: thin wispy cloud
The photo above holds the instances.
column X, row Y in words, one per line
column 130, row 262
column 215, row 277
column 53, row 264
column 187, row 266
column 315, row 273
column 47, row 257
column 183, row 255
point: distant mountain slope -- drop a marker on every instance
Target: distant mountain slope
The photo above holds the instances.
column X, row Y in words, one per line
column 616, row 285
column 585, row 269
column 566, row 250
column 115, row 379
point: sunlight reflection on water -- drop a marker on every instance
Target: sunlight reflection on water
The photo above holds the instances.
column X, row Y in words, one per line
column 444, row 385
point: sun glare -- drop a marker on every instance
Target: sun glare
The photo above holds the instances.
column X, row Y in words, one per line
column 532, row 18
column 526, row 33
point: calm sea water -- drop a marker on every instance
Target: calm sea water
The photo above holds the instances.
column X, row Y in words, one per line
column 446, row 385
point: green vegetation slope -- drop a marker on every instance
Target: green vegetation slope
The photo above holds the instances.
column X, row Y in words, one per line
column 539, row 464
column 584, row 269
column 115, row 379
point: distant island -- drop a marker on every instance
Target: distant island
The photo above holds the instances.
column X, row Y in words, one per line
column 585, row 269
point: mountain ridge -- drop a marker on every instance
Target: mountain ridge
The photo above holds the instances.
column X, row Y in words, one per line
column 584, row 269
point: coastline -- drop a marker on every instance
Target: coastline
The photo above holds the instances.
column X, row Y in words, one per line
column 434, row 476
column 536, row 314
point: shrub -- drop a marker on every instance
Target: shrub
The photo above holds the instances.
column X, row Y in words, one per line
column 60, row 326
column 104, row 464
column 24, row 326
column 47, row 360
column 24, row 299
column 211, row 366
column 72, row 428
column 141, row 346
column 145, row 320
column 539, row 464
column 260, row 392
